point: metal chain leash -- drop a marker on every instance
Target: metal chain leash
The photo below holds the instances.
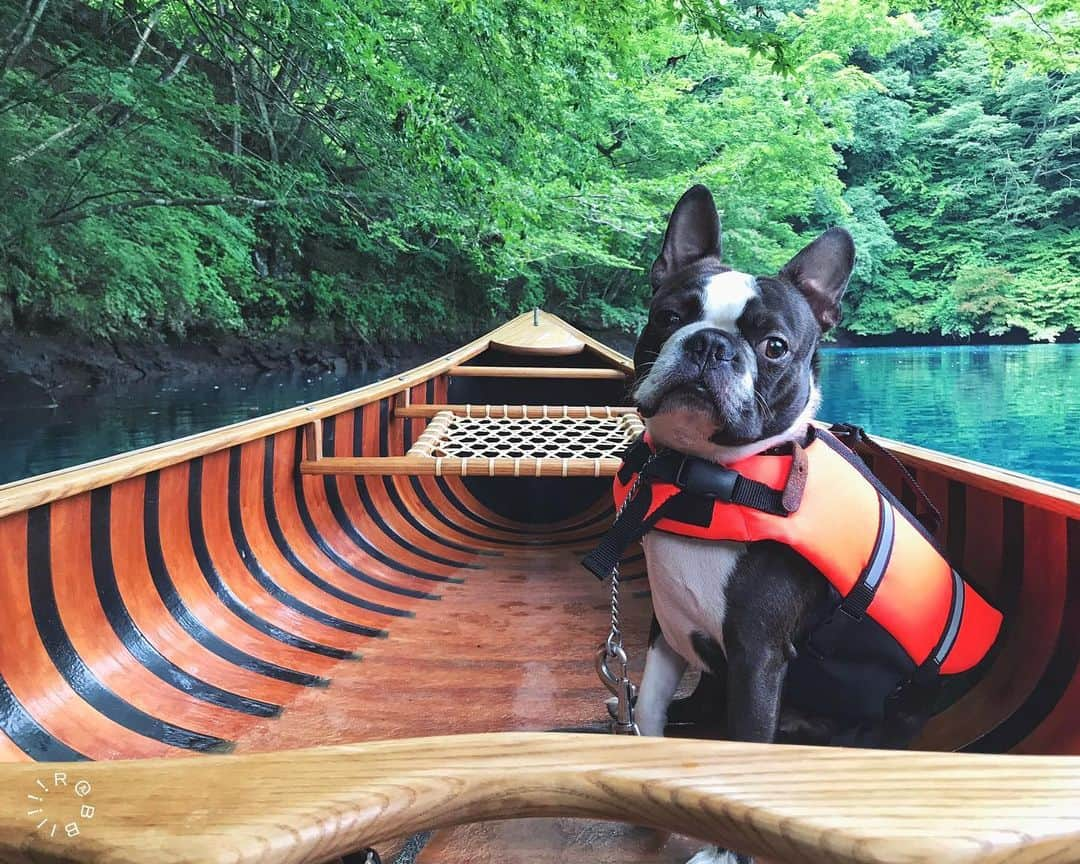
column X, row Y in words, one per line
column 612, row 651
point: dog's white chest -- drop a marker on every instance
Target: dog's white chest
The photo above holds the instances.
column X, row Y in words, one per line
column 688, row 579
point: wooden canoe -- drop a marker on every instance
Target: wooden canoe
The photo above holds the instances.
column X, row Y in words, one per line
column 305, row 599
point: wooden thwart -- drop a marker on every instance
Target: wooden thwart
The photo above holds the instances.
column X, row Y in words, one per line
column 503, row 441
column 424, row 466
column 538, row 372
column 515, row 411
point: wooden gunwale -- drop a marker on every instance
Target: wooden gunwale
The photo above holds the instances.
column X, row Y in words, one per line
column 1046, row 494
column 34, row 491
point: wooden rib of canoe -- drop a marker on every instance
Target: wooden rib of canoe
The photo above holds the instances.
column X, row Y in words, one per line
column 364, row 617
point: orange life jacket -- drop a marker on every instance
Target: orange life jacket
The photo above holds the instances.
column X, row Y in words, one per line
column 884, row 567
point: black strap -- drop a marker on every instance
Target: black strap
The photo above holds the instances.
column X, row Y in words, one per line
column 858, row 599
column 931, row 519
column 952, row 622
column 705, row 479
column 630, row 526
column 695, row 477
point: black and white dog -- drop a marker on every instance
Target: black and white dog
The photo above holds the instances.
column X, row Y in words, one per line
column 725, row 369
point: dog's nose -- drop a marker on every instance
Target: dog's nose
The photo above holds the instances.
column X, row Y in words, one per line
column 710, row 346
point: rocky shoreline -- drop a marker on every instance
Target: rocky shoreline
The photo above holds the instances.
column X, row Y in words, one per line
column 53, row 365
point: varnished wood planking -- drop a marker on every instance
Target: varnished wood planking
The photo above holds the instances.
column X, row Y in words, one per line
column 983, row 559
column 115, row 682
column 1032, row 634
column 34, row 679
column 331, row 601
column 267, row 604
column 374, row 431
column 461, row 665
column 428, row 573
column 346, row 542
column 782, row 802
column 10, row 752
column 1051, row 704
column 315, row 553
column 404, row 524
column 203, row 600
column 936, row 487
column 152, row 617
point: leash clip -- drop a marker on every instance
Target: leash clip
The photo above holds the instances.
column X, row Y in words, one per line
column 620, row 685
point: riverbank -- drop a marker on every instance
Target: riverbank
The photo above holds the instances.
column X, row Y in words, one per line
column 55, row 366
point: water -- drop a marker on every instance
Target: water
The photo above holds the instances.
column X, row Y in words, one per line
column 1016, row 406
column 39, row 435
column 1013, row 406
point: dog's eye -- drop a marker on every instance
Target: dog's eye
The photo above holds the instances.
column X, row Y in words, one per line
column 774, row 347
column 667, row 318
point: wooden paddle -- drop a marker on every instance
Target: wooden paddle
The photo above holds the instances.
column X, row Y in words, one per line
column 787, row 803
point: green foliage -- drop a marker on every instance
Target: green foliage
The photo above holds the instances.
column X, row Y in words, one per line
column 965, row 191
column 388, row 170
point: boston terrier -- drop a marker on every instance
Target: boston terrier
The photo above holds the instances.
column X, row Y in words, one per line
column 725, row 369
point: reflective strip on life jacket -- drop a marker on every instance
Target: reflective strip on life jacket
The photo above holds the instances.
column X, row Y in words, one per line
column 873, row 555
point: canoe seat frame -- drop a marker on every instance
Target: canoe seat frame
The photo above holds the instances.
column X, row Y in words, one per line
column 496, row 441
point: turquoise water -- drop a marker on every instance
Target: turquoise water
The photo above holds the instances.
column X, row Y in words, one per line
column 1013, row 406
column 1016, row 406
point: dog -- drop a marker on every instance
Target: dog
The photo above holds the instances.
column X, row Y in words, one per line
column 725, row 369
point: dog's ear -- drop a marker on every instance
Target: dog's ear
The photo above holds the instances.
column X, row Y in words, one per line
column 693, row 233
column 821, row 272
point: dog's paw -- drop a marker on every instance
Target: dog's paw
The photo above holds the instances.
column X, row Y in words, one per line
column 716, row 855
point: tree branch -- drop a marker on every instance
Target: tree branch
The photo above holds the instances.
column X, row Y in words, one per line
column 17, row 48
column 73, row 214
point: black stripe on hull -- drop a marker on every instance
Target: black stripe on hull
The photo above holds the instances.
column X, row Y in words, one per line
column 224, row 593
column 332, row 553
column 73, row 668
column 957, row 539
column 372, row 511
column 337, row 507
column 260, row 573
column 290, row 555
column 26, row 734
column 1060, row 669
column 128, row 632
column 183, row 616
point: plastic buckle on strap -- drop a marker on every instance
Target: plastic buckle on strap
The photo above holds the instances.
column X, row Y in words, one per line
column 699, row 477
